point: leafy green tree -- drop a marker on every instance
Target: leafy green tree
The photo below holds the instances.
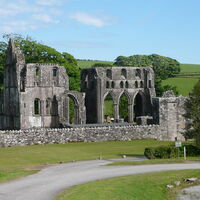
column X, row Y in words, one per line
column 3, row 47
column 102, row 65
column 164, row 67
column 36, row 52
column 192, row 107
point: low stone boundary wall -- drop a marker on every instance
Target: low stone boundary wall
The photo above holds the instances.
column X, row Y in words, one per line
column 65, row 135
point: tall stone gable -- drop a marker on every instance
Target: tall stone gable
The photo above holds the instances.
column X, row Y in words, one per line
column 36, row 95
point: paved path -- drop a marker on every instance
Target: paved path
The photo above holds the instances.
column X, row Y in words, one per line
column 46, row 184
column 191, row 193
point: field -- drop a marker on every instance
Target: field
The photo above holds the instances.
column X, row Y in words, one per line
column 88, row 63
column 189, row 68
column 141, row 187
column 184, row 85
column 185, row 81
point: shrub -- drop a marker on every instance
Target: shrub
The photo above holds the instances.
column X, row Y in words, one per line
column 171, row 151
column 149, row 153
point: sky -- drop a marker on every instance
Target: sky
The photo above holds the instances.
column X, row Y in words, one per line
column 105, row 29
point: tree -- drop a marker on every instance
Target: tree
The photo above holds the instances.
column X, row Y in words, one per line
column 3, row 47
column 102, row 65
column 164, row 67
column 192, row 107
column 36, row 52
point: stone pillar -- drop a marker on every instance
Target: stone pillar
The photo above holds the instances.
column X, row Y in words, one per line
column 77, row 114
column 116, row 112
column 130, row 113
column 42, row 112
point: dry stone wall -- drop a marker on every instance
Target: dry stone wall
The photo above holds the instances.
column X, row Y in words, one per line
column 65, row 135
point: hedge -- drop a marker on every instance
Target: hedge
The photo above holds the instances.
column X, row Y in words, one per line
column 171, row 151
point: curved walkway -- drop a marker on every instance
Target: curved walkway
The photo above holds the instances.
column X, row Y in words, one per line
column 46, row 184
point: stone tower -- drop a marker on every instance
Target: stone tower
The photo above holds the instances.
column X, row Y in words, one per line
column 14, row 65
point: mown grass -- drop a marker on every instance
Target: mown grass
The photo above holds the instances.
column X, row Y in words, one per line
column 136, row 187
column 88, row 63
column 20, row 157
column 156, row 161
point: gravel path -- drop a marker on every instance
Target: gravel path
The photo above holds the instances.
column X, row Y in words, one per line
column 51, row 180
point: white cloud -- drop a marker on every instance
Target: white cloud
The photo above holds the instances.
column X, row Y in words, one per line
column 15, row 26
column 26, row 15
column 85, row 18
column 45, row 18
column 49, row 2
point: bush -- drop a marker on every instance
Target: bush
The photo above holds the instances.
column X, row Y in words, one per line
column 171, row 151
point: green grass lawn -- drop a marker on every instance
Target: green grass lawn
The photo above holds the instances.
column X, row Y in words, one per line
column 26, row 156
column 157, row 161
column 88, row 63
column 151, row 186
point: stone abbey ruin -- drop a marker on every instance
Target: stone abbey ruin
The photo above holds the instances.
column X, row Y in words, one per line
column 35, row 104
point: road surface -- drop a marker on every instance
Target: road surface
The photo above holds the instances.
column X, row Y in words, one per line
column 51, row 180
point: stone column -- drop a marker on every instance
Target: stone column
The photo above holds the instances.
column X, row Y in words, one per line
column 116, row 112
column 42, row 112
column 130, row 113
column 77, row 114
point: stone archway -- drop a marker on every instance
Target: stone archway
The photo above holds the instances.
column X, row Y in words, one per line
column 108, row 111
column 77, row 100
column 138, row 105
column 123, row 108
column 73, row 109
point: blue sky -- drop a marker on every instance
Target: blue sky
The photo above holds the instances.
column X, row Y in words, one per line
column 103, row 30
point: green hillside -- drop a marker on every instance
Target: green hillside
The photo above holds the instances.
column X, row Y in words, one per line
column 186, row 80
column 88, row 63
column 189, row 68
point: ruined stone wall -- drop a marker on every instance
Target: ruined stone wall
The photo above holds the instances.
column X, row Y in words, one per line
column 168, row 113
column 45, row 82
column 65, row 135
column 133, row 82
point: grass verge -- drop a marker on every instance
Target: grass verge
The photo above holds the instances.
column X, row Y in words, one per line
column 7, row 175
column 141, row 187
column 156, row 161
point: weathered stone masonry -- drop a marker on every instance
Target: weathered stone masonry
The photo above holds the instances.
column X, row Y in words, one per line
column 97, row 134
column 36, row 98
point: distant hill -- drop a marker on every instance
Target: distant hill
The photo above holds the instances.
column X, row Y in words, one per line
column 88, row 63
column 185, row 81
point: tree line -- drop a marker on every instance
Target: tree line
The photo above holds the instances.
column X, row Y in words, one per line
column 36, row 52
